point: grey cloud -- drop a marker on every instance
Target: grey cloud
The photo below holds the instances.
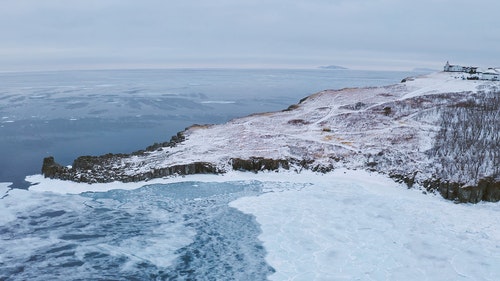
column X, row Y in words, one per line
column 304, row 32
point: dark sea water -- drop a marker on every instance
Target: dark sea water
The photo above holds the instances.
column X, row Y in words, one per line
column 73, row 113
column 181, row 231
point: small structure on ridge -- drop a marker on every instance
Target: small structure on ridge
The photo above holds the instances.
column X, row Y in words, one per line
column 476, row 73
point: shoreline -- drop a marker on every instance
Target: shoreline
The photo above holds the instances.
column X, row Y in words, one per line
column 42, row 184
column 347, row 224
column 401, row 130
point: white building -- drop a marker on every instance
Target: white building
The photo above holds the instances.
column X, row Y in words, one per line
column 452, row 68
column 458, row 68
column 490, row 74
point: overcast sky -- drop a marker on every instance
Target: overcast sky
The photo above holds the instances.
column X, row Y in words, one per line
column 360, row 34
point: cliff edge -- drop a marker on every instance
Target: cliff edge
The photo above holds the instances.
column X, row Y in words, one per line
column 437, row 131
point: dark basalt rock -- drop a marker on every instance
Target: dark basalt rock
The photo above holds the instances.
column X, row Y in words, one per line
column 256, row 164
column 97, row 169
column 90, row 170
column 408, row 179
column 51, row 169
column 487, row 189
column 174, row 140
column 90, row 162
column 188, row 169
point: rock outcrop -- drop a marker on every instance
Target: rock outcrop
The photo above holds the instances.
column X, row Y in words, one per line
column 100, row 169
column 487, row 189
column 90, row 169
column 53, row 170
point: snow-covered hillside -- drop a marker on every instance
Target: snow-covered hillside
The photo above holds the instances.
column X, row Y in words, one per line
column 394, row 130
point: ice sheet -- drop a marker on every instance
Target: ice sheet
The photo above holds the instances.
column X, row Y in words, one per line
column 179, row 231
column 4, row 187
column 356, row 225
column 40, row 183
column 360, row 226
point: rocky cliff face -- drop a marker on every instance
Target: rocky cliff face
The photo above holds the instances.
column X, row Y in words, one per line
column 436, row 131
column 102, row 169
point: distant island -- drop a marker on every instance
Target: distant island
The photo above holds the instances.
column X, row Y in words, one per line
column 333, row 67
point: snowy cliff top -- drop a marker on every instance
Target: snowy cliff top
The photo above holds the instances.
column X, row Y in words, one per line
column 328, row 127
column 404, row 130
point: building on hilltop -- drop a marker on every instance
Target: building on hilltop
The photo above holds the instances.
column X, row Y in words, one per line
column 452, row 68
column 491, row 74
column 458, row 68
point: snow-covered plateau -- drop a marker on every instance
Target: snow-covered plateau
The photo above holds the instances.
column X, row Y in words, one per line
column 439, row 131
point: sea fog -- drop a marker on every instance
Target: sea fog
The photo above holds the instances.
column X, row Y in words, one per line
column 72, row 113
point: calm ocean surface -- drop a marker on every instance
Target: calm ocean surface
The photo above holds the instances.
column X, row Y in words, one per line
column 73, row 113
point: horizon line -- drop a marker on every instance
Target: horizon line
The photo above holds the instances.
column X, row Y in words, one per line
column 210, row 67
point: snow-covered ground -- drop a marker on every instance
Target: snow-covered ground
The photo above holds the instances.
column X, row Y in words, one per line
column 353, row 225
column 346, row 124
column 360, row 226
